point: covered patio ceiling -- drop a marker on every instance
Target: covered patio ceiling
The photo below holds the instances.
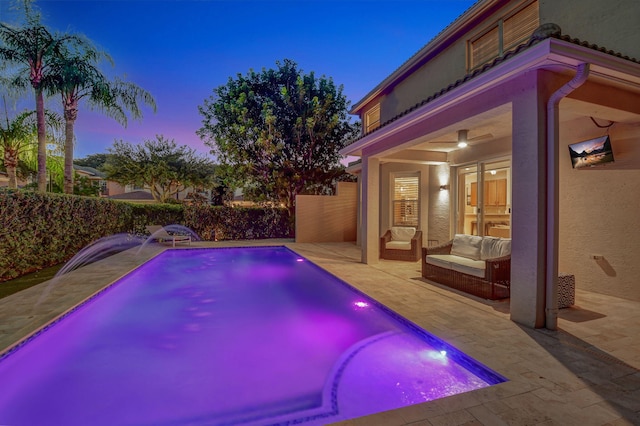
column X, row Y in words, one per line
column 496, row 124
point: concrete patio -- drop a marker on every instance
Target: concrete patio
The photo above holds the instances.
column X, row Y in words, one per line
column 586, row 373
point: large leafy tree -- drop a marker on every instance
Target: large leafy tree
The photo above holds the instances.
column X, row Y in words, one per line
column 278, row 131
column 160, row 165
column 32, row 46
column 95, row 161
column 75, row 76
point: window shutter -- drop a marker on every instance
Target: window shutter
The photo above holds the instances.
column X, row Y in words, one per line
column 485, row 48
column 372, row 118
column 519, row 27
column 507, row 34
column 406, row 201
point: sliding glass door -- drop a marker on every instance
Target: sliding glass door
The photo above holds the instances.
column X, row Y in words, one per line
column 484, row 199
column 496, row 201
column 467, row 217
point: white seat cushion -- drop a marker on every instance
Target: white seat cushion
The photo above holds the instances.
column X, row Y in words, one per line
column 466, row 246
column 469, row 266
column 402, row 233
column 441, row 260
column 493, row 247
column 398, row 245
column 476, row 270
column 458, row 263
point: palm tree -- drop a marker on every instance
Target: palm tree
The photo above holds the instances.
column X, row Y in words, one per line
column 33, row 46
column 76, row 77
column 18, row 136
column 14, row 139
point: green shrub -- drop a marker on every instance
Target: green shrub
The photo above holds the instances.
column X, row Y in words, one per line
column 237, row 223
column 39, row 230
column 153, row 214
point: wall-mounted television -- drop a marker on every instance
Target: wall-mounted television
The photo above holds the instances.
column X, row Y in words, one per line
column 591, row 153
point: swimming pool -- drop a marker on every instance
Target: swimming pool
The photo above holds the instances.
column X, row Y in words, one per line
column 228, row 336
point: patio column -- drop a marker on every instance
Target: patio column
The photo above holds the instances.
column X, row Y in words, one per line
column 529, row 204
column 359, row 211
column 370, row 211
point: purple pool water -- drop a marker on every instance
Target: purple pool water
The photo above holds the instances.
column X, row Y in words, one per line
column 228, row 336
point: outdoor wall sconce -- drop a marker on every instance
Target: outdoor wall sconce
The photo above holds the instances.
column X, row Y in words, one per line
column 444, row 187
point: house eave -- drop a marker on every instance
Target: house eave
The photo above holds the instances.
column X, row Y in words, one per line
column 552, row 54
column 440, row 42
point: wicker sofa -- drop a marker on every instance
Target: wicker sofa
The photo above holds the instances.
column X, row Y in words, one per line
column 476, row 265
column 401, row 243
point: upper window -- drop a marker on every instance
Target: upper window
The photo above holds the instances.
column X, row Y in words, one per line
column 506, row 34
column 372, row 119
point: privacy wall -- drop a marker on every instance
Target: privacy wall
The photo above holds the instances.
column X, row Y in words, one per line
column 327, row 218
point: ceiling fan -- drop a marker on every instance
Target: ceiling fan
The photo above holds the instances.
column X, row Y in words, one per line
column 463, row 139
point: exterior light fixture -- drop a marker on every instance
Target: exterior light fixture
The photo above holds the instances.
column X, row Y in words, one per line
column 462, row 138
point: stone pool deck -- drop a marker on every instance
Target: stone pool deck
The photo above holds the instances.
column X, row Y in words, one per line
column 586, row 373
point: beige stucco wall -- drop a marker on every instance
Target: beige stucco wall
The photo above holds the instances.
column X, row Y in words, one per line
column 599, row 213
column 438, row 73
column 443, row 69
column 327, row 218
column 440, row 203
column 612, row 24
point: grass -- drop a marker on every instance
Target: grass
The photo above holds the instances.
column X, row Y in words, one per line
column 15, row 285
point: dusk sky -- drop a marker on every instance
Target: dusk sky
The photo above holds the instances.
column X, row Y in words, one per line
column 180, row 50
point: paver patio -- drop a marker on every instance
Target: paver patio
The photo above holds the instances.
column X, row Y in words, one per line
column 586, row 373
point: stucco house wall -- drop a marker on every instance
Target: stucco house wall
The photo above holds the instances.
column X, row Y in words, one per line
column 440, row 204
column 599, row 212
column 604, row 24
column 447, row 65
column 442, row 70
column 612, row 24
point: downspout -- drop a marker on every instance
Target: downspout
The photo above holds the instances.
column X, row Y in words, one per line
column 551, row 260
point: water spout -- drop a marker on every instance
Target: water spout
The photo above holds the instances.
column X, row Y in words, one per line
column 100, row 249
column 170, row 229
column 97, row 250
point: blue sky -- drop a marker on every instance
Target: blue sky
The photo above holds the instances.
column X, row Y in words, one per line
column 180, row 50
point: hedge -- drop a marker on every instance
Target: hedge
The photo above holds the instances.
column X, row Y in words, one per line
column 44, row 229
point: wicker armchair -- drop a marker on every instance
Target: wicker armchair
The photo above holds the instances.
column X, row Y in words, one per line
column 410, row 255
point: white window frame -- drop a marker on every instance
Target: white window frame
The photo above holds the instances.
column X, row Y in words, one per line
column 372, row 119
column 407, row 206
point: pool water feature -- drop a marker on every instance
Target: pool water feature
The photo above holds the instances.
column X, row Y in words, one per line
column 251, row 336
